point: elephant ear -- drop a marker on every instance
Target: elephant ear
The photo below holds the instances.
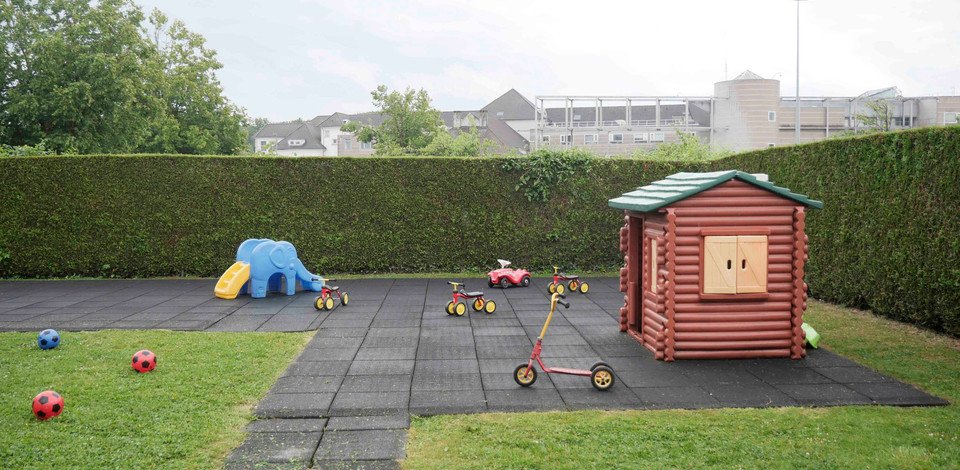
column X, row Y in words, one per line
column 278, row 257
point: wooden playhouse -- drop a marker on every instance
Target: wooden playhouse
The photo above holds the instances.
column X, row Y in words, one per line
column 714, row 266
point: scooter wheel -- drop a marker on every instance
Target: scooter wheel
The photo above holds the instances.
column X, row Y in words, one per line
column 602, row 378
column 460, row 308
column 598, row 364
column 345, row 299
column 490, row 307
column 318, row 303
column 477, row 305
column 450, row 308
column 524, row 377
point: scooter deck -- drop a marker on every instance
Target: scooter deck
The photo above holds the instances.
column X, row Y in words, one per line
column 561, row 370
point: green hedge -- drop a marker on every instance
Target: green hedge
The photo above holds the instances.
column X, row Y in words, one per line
column 887, row 239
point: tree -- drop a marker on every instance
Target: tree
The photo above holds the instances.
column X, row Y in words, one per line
column 252, row 128
column 687, row 148
column 465, row 144
column 410, row 122
column 87, row 77
column 880, row 117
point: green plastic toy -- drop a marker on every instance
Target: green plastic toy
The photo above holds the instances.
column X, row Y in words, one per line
column 812, row 337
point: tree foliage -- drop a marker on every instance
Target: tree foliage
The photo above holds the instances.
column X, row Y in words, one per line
column 879, row 118
column 92, row 77
column 687, row 148
column 410, row 122
column 465, row 144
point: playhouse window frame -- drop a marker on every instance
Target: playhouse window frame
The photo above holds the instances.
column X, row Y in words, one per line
column 704, row 233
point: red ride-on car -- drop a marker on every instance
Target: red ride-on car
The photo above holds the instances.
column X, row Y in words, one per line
column 505, row 276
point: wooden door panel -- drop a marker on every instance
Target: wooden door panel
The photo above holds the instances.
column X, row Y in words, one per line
column 751, row 264
column 719, row 273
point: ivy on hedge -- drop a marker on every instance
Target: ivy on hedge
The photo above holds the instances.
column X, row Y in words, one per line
column 887, row 238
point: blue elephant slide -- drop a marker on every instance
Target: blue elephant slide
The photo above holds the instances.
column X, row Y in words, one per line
column 262, row 264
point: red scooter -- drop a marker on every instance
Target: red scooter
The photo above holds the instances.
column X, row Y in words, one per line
column 600, row 373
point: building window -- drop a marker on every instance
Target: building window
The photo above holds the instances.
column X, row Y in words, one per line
column 334, row 141
column 565, row 139
column 326, row 133
column 772, row 116
column 590, row 139
column 366, row 145
column 545, row 139
column 653, row 265
column 771, row 144
column 576, row 117
column 640, row 137
column 348, row 144
column 295, row 143
column 735, row 264
column 499, row 113
column 950, row 118
column 615, row 138
column 264, row 143
column 656, row 137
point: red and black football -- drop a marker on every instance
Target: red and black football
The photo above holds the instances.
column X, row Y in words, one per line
column 144, row 361
column 47, row 404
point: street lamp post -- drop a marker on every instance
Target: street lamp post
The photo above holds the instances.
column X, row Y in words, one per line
column 796, row 122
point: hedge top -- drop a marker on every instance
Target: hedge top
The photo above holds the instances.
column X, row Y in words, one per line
column 683, row 185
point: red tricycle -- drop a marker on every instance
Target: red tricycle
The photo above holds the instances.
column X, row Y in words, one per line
column 505, row 276
column 325, row 301
column 575, row 284
column 600, row 373
column 458, row 308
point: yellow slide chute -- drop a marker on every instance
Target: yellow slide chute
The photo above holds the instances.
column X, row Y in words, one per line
column 232, row 280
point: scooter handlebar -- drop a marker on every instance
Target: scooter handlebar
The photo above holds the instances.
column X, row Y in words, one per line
column 562, row 302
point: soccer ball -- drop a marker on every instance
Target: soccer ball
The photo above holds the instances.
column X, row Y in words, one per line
column 144, row 361
column 47, row 405
column 48, row 339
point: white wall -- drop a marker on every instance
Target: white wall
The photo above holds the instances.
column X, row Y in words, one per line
column 300, row 152
column 258, row 143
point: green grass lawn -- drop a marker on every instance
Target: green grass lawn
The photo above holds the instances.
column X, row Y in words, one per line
column 188, row 413
column 845, row 437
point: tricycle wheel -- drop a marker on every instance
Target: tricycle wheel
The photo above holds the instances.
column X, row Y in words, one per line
column 450, row 308
column 490, row 307
column 559, row 288
column 318, row 302
column 460, row 308
column 345, row 299
column 602, row 378
column 504, row 283
column 523, row 376
column 552, row 287
column 573, row 285
column 584, row 287
column 477, row 305
column 328, row 303
column 525, row 281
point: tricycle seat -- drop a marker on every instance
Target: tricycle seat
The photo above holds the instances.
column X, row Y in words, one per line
column 569, row 277
column 473, row 294
column 333, row 288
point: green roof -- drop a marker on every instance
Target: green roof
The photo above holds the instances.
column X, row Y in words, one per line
column 680, row 186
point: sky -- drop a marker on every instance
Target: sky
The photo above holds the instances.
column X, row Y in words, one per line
column 288, row 59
